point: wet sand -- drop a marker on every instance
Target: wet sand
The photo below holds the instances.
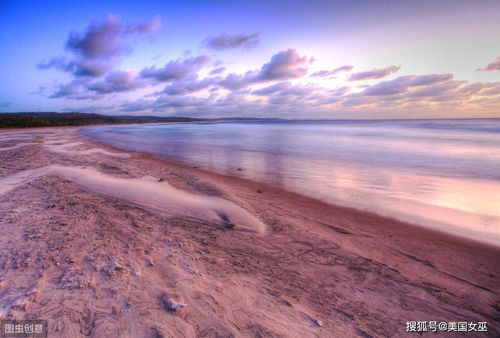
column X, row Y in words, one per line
column 105, row 243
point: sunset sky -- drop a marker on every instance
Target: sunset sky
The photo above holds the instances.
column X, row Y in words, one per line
column 288, row 59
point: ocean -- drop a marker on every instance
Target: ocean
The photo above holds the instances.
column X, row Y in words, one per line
column 442, row 174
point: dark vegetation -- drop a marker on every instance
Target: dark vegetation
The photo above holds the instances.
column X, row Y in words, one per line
column 26, row 120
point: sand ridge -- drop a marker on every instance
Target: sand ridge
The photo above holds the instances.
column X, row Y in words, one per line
column 147, row 192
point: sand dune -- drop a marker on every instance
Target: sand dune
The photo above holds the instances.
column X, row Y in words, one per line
column 146, row 192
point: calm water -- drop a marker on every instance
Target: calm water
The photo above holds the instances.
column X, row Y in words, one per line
column 437, row 173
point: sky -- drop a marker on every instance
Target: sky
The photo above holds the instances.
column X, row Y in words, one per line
column 286, row 59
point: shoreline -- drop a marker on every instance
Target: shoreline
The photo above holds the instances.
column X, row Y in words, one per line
column 281, row 190
column 320, row 269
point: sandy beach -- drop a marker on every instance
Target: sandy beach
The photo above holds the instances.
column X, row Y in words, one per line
column 102, row 242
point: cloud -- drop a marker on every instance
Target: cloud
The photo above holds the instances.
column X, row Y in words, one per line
column 338, row 91
column 271, row 89
column 471, row 88
column 492, row 66
column 490, row 89
column 94, row 67
column 358, row 101
column 217, row 70
column 176, row 70
column 283, row 65
column 74, row 90
column 298, row 90
column 286, row 89
column 422, row 92
column 127, row 80
column 84, row 88
column 286, row 93
column 179, row 102
column 396, row 86
column 60, row 63
column 188, row 86
column 402, row 84
column 333, row 95
column 99, row 49
column 168, row 104
column 432, row 92
column 148, row 27
column 139, row 105
column 182, row 73
column 106, row 39
column 235, row 81
column 328, row 73
column 116, row 81
column 226, row 41
column 374, row 73
column 425, row 80
column 436, row 89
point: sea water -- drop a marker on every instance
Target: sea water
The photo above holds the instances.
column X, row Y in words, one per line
column 443, row 174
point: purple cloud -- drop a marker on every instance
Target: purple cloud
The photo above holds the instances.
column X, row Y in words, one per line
column 333, row 95
column 374, row 73
column 284, row 65
column 93, row 67
column 116, row 81
column 298, row 90
column 60, row 63
column 358, row 101
column 74, row 90
column 179, row 102
column 217, row 70
column 492, row 66
column 226, row 41
column 188, row 86
column 271, row 89
column 402, row 84
column 396, row 86
column 425, row 80
column 285, row 97
column 106, row 39
column 286, row 93
column 235, row 81
column 176, row 70
column 327, row 73
column 471, row 88
column 436, row 89
column 338, row 91
column 98, row 50
column 84, row 88
column 490, row 89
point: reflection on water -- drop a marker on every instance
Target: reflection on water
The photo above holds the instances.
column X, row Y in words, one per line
column 437, row 173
